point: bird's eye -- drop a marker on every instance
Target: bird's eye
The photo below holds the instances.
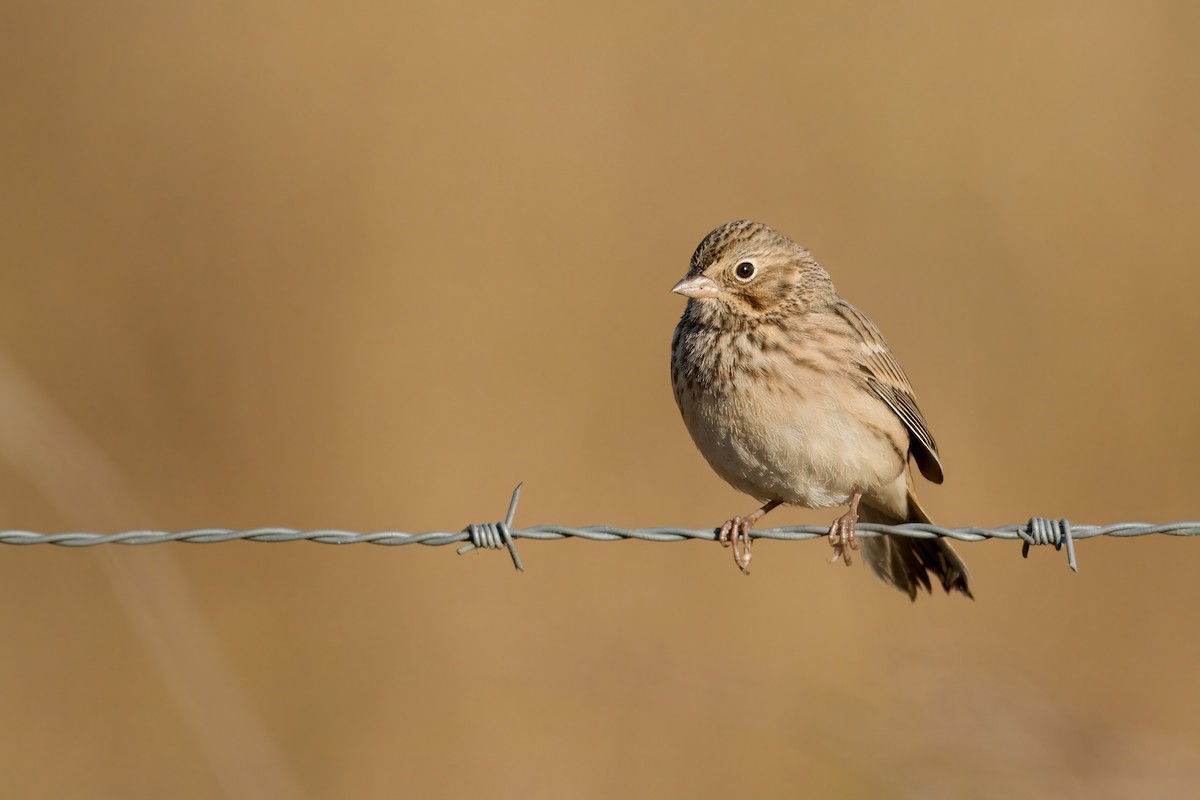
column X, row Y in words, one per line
column 745, row 271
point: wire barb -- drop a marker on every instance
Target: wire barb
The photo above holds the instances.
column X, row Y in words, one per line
column 1041, row 530
column 495, row 535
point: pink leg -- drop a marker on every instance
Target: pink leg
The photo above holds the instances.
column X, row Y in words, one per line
column 841, row 532
column 737, row 532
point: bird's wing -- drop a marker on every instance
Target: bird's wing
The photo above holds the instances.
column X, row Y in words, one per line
column 888, row 381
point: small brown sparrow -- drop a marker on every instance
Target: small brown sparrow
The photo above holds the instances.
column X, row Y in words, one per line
column 793, row 396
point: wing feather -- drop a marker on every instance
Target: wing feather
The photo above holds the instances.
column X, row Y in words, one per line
column 888, row 381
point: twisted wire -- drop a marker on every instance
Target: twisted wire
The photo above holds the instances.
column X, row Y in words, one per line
column 497, row 535
column 595, row 533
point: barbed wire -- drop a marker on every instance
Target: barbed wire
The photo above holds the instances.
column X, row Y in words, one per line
column 497, row 535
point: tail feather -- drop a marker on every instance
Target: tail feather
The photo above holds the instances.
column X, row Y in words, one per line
column 905, row 562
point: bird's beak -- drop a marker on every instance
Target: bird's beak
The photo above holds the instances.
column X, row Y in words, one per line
column 697, row 287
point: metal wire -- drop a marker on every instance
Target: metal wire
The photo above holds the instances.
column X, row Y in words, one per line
column 1037, row 531
column 595, row 533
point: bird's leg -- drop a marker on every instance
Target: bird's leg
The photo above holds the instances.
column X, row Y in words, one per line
column 841, row 532
column 737, row 532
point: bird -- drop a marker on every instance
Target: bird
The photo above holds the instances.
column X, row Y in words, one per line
column 793, row 396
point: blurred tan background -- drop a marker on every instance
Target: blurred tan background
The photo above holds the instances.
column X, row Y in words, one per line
column 368, row 265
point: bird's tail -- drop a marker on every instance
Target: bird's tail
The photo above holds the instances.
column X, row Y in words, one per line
column 905, row 562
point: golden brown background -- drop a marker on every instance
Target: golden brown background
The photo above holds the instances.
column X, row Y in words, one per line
column 368, row 265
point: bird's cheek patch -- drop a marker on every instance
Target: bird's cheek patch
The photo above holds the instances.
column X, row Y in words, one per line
column 771, row 292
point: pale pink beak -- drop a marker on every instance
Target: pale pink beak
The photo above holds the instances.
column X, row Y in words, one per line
column 697, row 288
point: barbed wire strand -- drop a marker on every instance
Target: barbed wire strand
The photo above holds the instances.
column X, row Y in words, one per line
column 1038, row 531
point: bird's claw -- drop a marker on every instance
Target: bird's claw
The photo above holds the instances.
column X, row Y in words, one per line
column 736, row 532
column 842, row 538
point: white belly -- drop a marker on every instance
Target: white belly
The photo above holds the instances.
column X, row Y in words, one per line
column 811, row 445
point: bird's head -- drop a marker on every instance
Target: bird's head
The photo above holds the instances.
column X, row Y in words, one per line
column 745, row 272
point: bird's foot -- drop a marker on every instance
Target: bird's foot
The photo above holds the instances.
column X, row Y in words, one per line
column 736, row 532
column 841, row 536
